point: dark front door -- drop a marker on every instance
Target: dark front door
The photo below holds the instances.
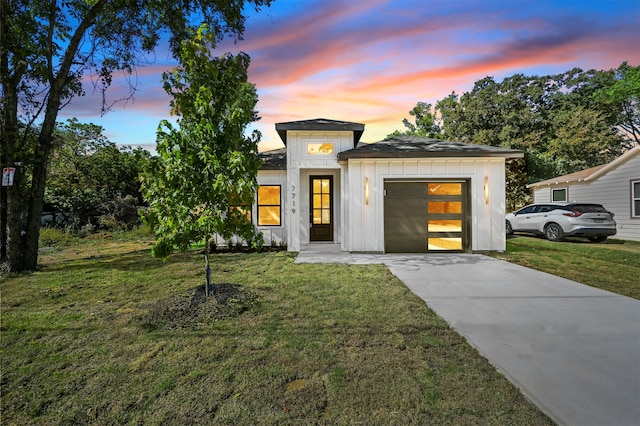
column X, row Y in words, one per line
column 321, row 208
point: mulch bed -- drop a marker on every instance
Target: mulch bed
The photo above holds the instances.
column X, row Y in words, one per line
column 194, row 310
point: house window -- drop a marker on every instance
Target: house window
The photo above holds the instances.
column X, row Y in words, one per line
column 269, row 205
column 237, row 209
column 236, row 212
column 635, row 198
column 559, row 195
column 320, row 148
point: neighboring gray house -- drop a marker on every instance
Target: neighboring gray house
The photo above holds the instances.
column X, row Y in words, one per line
column 405, row 194
column 616, row 185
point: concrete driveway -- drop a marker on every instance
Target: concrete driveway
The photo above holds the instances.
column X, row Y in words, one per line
column 572, row 349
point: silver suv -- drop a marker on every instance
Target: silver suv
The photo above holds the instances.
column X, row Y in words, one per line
column 558, row 220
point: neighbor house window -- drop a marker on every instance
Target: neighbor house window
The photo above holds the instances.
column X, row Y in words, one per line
column 269, row 205
column 319, row 148
column 559, row 195
column 635, row 198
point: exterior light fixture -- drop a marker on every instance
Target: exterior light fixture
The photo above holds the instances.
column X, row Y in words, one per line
column 486, row 189
column 366, row 191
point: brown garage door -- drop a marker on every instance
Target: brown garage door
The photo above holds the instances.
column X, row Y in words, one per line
column 422, row 217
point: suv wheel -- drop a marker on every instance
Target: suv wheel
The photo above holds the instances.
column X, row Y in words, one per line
column 553, row 232
column 509, row 228
column 597, row 239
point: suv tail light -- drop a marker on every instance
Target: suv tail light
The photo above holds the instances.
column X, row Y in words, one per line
column 574, row 213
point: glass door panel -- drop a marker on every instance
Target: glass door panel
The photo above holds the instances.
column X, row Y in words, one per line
column 445, row 207
column 444, row 188
column 447, row 219
column 444, row 243
column 321, row 208
column 441, row 225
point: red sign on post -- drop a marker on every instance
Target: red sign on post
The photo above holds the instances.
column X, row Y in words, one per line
column 7, row 176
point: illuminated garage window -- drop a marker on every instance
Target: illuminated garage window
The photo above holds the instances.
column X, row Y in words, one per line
column 444, row 216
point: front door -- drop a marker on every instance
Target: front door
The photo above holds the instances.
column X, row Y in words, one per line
column 321, row 208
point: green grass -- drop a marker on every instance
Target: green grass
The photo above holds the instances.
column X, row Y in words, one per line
column 613, row 265
column 320, row 344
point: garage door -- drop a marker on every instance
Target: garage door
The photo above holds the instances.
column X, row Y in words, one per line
column 431, row 216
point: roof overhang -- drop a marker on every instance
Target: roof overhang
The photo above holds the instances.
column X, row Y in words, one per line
column 343, row 156
column 418, row 147
column 320, row 124
column 588, row 174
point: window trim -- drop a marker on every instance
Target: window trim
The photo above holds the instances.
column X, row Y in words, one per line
column 634, row 198
column 566, row 194
column 258, row 205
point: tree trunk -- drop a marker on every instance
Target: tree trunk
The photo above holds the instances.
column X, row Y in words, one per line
column 15, row 223
column 207, row 268
column 12, row 197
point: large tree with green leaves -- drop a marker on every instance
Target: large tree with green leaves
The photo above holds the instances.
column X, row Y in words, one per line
column 47, row 48
column 625, row 93
column 564, row 123
column 204, row 182
column 425, row 122
column 87, row 171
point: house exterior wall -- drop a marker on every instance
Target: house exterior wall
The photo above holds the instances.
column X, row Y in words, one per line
column 272, row 235
column 364, row 223
column 300, row 167
column 611, row 189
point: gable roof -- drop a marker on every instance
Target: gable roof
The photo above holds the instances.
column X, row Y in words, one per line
column 590, row 173
column 405, row 146
column 321, row 124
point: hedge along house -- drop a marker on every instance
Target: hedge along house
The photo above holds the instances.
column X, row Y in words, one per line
column 406, row 194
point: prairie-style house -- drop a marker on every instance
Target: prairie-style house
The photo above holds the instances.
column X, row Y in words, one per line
column 405, row 194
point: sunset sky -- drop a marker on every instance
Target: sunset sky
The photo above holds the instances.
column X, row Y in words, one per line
column 371, row 61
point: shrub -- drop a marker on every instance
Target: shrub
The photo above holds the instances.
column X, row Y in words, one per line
column 53, row 237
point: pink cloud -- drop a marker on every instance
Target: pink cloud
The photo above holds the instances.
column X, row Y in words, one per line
column 372, row 61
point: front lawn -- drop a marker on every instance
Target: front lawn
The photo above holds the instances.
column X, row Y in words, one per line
column 613, row 265
column 105, row 334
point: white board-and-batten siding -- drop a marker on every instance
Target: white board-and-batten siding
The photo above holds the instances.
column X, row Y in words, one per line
column 612, row 189
column 272, row 235
column 300, row 167
column 365, row 222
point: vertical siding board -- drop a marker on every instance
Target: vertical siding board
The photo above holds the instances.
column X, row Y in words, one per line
column 366, row 231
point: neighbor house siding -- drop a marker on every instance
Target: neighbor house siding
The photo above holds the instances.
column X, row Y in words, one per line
column 611, row 189
column 365, row 222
